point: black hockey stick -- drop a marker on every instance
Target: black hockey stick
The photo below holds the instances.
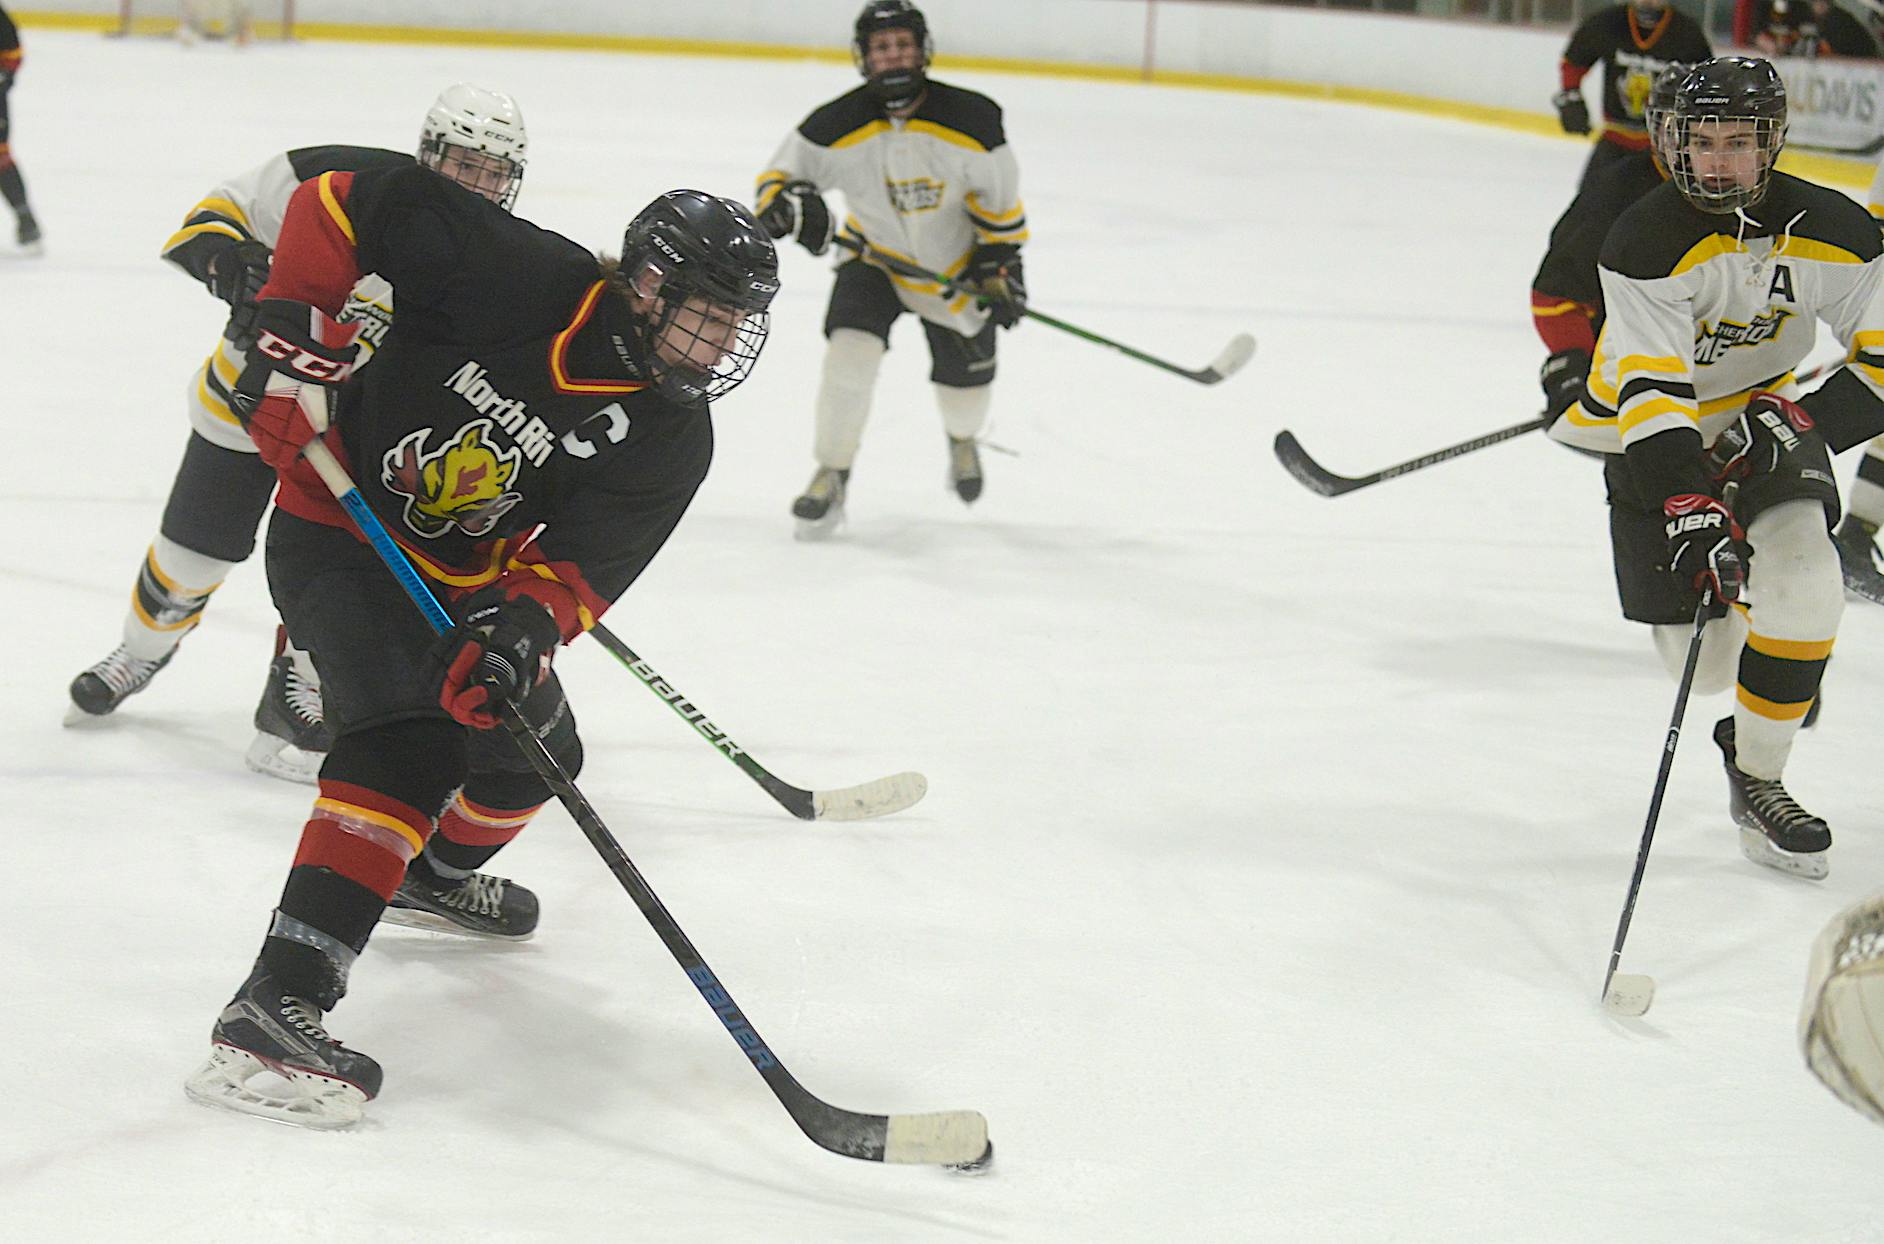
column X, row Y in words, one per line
column 1317, row 478
column 1630, row 993
column 1228, row 362
column 949, row 1138
column 851, row 803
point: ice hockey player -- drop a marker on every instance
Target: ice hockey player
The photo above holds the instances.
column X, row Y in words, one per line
column 1841, row 1025
column 1713, row 286
column 12, row 185
column 530, row 433
column 1858, row 550
column 1633, row 42
column 473, row 136
column 1567, row 293
column 929, row 178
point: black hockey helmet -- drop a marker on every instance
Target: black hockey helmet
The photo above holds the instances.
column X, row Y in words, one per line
column 713, row 272
column 1725, row 100
column 897, row 88
column 1660, row 107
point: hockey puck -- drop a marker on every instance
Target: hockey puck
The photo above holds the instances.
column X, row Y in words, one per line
column 977, row 1167
column 1628, row 994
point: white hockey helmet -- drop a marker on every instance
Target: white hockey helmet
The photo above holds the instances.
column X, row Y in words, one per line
column 489, row 144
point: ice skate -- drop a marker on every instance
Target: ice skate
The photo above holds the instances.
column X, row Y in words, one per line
column 291, row 735
column 28, row 234
column 1860, row 559
column 1774, row 831
column 820, row 510
column 477, row 905
column 270, row 1057
column 965, row 468
column 105, row 685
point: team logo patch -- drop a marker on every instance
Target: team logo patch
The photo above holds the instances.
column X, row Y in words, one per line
column 462, row 485
column 1713, row 340
column 921, row 194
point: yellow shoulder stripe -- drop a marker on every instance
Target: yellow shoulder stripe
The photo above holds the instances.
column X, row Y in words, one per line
column 1709, row 247
column 943, row 132
column 862, row 133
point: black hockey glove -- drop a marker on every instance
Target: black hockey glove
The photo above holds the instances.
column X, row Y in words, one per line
column 236, row 275
column 799, row 212
column 1572, row 113
column 1563, row 376
column 1768, row 430
column 6, row 80
column 499, row 652
column 993, row 275
column 1706, row 547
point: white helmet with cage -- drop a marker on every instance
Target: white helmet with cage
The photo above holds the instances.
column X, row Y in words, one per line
column 477, row 138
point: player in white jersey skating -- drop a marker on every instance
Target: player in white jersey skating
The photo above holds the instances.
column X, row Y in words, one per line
column 1713, row 286
column 1857, row 534
column 929, row 179
column 471, row 135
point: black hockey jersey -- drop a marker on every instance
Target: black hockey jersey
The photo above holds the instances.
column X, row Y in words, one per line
column 506, row 430
column 1632, row 58
column 1567, row 294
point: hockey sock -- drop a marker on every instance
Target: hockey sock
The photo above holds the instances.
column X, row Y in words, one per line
column 851, row 361
column 1798, row 596
column 1720, row 651
column 1867, row 490
column 13, row 186
column 964, row 411
column 470, row 834
column 172, row 589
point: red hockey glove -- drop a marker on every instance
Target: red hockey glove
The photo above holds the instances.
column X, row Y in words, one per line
column 1706, row 547
column 1759, row 440
column 499, row 652
column 283, row 396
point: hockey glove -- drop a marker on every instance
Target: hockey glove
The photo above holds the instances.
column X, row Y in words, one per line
column 283, row 396
column 498, row 653
column 1756, row 443
column 236, row 275
column 798, row 211
column 1706, row 547
column 1563, row 376
column 6, row 79
column 1572, row 113
column 993, row 275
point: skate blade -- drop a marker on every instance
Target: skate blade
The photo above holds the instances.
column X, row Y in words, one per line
column 415, row 918
column 818, row 529
column 278, row 759
column 1812, row 865
column 299, row 1098
column 76, row 716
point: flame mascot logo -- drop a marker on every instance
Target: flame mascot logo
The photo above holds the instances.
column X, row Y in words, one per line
column 462, row 485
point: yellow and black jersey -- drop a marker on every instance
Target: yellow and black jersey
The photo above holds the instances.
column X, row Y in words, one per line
column 1704, row 309
column 927, row 188
column 1632, row 56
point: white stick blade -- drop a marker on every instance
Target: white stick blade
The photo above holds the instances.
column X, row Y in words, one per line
column 872, row 799
column 1241, row 349
column 1629, row 994
column 949, row 1138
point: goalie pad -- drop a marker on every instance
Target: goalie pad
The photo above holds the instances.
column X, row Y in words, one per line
column 1841, row 1025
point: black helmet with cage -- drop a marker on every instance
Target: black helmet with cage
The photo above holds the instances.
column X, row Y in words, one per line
column 894, row 88
column 1725, row 106
column 711, row 272
column 1660, row 106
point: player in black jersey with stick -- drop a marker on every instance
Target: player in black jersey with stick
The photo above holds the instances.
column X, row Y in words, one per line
column 475, row 137
column 12, row 185
column 530, row 435
column 1633, row 43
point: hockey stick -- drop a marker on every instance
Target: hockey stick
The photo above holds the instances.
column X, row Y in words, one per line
column 1228, row 362
column 1317, row 478
column 851, row 803
column 949, row 1138
column 1630, row 993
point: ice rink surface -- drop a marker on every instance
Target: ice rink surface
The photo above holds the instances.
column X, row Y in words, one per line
column 1274, row 844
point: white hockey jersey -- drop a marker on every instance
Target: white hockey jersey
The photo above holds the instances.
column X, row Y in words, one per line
column 1703, row 310
column 927, row 188
column 250, row 207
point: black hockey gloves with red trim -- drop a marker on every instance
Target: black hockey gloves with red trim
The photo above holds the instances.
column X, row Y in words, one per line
column 283, row 396
column 498, row 652
column 1706, row 547
column 993, row 275
column 1562, row 377
column 1756, row 443
column 799, row 212
column 236, row 274
column 1572, row 113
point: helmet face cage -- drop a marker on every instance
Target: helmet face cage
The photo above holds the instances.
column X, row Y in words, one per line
column 1722, row 137
column 1659, row 109
column 476, row 138
column 897, row 87
column 695, row 327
